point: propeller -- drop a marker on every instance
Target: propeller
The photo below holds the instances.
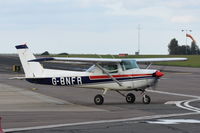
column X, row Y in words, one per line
column 157, row 76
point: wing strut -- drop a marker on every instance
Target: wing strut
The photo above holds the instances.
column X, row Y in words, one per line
column 148, row 65
column 114, row 79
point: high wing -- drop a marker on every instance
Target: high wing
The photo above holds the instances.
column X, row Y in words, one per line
column 88, row 60
column 106, row 60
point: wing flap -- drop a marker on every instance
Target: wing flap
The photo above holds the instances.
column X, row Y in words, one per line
column 159, row 59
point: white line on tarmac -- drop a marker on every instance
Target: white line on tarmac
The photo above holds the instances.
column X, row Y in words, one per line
column 99, row 122
column 178, row 103
column 189, row 107
column 175, row 94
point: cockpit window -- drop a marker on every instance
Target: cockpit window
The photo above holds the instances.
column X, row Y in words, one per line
column 129, row 64
column 110, row 68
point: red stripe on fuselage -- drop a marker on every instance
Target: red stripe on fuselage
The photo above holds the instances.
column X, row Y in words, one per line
column 118, row 76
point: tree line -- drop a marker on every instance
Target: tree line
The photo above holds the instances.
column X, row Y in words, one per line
column 175, row 49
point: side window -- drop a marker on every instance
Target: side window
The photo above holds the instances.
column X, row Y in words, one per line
column 110, row 68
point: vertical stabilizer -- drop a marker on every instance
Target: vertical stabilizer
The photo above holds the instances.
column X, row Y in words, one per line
column 31, row 69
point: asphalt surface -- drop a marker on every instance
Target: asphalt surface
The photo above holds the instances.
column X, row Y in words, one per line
column 24, row 105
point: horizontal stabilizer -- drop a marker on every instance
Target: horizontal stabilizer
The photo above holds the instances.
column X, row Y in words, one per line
column 19, row 78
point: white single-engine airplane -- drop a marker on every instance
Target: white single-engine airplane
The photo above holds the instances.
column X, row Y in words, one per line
column 106, row 74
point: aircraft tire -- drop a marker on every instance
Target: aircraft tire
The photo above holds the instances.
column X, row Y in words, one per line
column 146, row 99
column 98, row 99
column 130, row 98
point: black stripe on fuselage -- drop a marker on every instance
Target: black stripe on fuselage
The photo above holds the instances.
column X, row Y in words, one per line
column 71, row 81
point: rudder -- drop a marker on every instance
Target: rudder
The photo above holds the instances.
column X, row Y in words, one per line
column 31, row 69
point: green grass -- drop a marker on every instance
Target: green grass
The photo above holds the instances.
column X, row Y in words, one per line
column 193, row 60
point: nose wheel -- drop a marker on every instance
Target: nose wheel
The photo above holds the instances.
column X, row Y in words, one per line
column 146, row 99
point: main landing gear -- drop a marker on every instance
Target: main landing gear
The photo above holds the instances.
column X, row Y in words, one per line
column 98, row 99
column 130, row 98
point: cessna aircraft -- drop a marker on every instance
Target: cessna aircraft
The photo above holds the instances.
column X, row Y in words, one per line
column 105, row 74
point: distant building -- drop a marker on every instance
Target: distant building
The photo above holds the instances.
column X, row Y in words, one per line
column 123, row 54
column 137, row 53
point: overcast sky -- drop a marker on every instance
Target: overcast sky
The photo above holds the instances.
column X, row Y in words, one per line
column 97, row 26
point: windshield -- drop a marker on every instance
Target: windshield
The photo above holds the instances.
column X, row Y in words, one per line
column 129, row 64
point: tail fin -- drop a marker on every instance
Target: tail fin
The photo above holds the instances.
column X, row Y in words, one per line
column 31, row 69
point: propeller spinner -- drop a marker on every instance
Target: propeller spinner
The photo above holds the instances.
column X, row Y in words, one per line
column 157, row 76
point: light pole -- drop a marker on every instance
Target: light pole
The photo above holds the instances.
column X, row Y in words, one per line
column 186, row 32
column 138, row 52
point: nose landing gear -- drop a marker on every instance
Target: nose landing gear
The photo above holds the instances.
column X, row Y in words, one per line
column 146, row 99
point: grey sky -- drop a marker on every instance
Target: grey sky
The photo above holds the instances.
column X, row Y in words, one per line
column 96, row 26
